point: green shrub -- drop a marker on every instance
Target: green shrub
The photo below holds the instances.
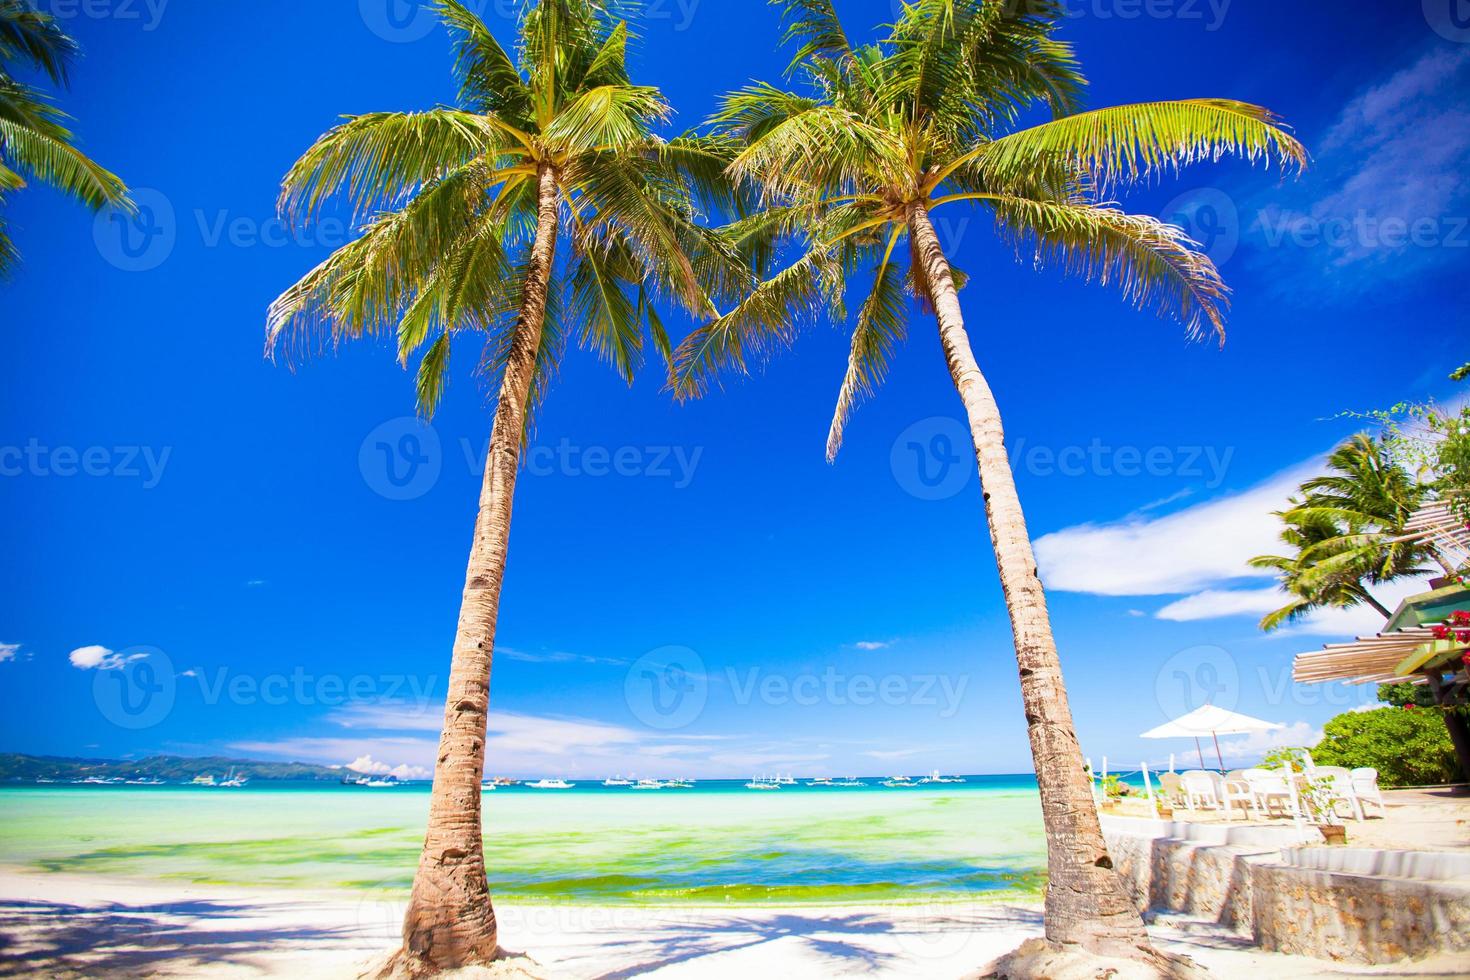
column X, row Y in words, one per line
column 1408, row 747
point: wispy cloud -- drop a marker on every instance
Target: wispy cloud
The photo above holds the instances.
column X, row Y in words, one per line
column 558, row 657
column 8, row 651
column 1385, row 198
column 1251, row 748
column 871, row 644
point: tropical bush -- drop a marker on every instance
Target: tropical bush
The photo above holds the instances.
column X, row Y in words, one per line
column 1408, row 746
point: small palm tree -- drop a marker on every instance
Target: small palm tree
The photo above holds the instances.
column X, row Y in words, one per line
column 554, row 147
column 34, row 139
column 1313, row 537
column 1346, row 530
column 878, row 138
column 1374, row 496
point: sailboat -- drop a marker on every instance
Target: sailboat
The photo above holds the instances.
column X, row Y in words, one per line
column 617, row 781
column 233, row 780
column 763, row 782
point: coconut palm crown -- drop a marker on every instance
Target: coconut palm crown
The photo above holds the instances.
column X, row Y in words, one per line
column 877, row 137
column 34, row 138
column 543, row 206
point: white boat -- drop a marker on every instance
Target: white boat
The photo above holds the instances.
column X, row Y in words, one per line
column 763, row 782
column 899, row 781
column 378, row 782
column 617, row 781
column 786, row 780
column 820, row 781
column 207, row 779
column 679, row 784
column 934, row 777
column 551, row 784
column 145, row 782
column 850, row 781
column 234, row 781
column 648, row 784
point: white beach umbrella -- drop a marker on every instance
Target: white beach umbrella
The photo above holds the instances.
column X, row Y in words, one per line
column 1213, row 721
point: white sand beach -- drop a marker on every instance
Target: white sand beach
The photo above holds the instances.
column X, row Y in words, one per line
column 59, row 925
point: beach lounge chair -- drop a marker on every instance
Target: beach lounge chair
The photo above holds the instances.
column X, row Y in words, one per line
column 1199, row 790
column 1365, row 787
column 1271, row 791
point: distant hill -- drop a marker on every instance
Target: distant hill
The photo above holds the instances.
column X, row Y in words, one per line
column 171, row 768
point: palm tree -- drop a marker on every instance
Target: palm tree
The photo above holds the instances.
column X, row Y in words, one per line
column 34, row 140
column 880, row 137
column 1347, row 533
column 1374, row 496
column 1312, row 537
column 552, row 146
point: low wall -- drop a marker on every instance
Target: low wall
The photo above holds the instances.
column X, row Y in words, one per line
column 1339, row 904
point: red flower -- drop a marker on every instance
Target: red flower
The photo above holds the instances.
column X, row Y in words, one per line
column 1411, row 706
column 1463, row 636
column 1441, row 632
column 1460, row 617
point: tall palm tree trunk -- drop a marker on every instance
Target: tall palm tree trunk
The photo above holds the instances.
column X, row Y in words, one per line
column 1085, row 901
column 450, row 920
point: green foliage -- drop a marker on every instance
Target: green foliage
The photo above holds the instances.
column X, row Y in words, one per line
column 1344, row 531
column 1277, row 758
column 1399, row 695
column 1408, row 746
column 871, row 136
column 34, row 139
column 453, row 196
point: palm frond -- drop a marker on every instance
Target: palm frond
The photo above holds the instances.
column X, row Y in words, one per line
column 880, row 329
column 489, row 80
column 58, row 163
column 813, row 25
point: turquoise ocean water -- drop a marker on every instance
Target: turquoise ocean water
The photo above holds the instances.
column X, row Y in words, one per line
column 718, row 843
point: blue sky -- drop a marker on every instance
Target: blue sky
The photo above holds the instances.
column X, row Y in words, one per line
column 207, row 552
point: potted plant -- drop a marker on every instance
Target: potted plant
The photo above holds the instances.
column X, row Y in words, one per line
column 1113, row 792
column 1317, row 793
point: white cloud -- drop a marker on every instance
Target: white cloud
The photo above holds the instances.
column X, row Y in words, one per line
column 1185, row 551
column 1213, row 603
column 368, row 766
column 8, row 651
column 1251, row 748
column 101, row 658
column 558, row 657
column 870, row 644
column 886, row 755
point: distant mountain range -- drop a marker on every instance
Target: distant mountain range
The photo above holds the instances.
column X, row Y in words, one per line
column 170, row 768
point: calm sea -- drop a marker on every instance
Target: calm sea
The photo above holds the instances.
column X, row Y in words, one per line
column 717, row 843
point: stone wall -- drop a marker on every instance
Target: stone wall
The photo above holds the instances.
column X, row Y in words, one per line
column 1241, row 881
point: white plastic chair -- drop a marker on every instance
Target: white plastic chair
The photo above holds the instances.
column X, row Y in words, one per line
column 1170, row 788
column 1232, row 789
column 1270, row 788
column 1199, row 790
column 1341, row 789
column 1365, row 787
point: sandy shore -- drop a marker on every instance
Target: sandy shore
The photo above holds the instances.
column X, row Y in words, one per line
column 68, row 926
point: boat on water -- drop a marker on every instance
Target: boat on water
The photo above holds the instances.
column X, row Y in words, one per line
column 934, row 777
column 204, row 779
column 617, row 781
column 820, row 781
column 145, row 782
column 899, row 782
column 850, row 781
column 679, row 784
column 763, row 782
column 378, row 782
column 489, row 786
column 647, row 784
column 551, row 784
column 234, row 780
